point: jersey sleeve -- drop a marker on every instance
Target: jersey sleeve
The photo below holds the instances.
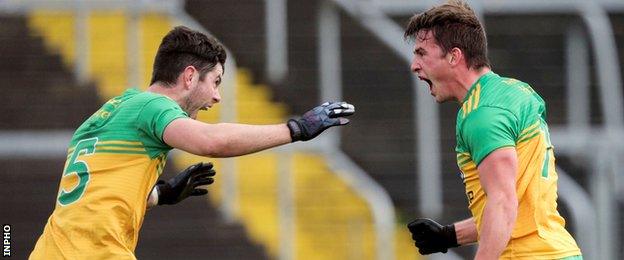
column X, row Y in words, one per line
column 156, row 115
column 487, row 129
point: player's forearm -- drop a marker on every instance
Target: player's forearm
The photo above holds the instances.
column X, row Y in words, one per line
column 466, row 231
column 499, row 217
column 227, row 140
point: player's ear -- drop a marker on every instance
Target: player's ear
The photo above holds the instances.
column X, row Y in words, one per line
column 455, row 55
column 188, row 75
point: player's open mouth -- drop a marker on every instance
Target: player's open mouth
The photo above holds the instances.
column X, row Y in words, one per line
column 204, row 108
column 428, row 82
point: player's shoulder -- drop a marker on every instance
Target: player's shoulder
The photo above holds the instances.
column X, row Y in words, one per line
column 498, row 86
column 507, row 93
column 138, row 101
column 137, row 96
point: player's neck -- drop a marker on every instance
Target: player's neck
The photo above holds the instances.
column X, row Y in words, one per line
column 467, row 79
column 171, row 92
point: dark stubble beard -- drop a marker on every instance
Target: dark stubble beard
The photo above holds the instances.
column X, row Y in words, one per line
column 187, row 103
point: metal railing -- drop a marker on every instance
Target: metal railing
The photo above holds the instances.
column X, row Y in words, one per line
column 81, row 9
column 377, row 199
column 277, row 40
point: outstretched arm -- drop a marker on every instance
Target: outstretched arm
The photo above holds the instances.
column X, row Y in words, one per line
column 223, row 139
column 227, row 139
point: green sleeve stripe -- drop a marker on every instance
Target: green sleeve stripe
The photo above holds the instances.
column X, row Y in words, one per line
column 464, row 161
column 112, row 142
column 108, row 144
column 546, row 161
column 529, row 129
column 463, row 158
column 121, row 145
column 70, row 152
column 109, row 148
column 523, row 136
column 463, row 154
column 121, row 151
column 529, row 138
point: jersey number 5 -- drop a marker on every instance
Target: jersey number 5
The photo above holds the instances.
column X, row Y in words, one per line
column 80, row 169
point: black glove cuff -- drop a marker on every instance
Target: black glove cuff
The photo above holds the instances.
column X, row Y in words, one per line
column 163, row 192
column 295, row 130
column 451, row 236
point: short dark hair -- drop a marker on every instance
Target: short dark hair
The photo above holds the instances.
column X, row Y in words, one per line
column 454, row 24
column 183, row 47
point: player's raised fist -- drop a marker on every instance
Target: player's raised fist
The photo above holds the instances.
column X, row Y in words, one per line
column 315, row 121
column 431, row 237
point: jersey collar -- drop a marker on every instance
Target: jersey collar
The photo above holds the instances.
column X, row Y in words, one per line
column 482, row 80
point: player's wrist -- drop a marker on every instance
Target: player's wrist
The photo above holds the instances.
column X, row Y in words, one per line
column 152, row 199
column 164, row 191
column 450, row 235
column 295, row 130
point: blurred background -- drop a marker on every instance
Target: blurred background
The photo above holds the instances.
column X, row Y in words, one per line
column 348, row 194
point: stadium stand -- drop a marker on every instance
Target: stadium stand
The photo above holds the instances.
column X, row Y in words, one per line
column 37, row 94
column 36, row 82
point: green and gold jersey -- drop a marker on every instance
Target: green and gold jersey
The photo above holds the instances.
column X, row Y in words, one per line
column 501, row 112
column 113, row 161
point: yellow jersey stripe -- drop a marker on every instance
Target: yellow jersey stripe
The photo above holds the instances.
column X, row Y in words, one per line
column 119, row 148
column 469, row 103
column 121, row 142
column 120, row 145
column 460, row 155
column 530, row 128
column 120, row 151
column 463, row 162
column 522, row 136
column 524, row 139
column 476, row 95
column 473, row 101
column 103, row 144
column 463, row 158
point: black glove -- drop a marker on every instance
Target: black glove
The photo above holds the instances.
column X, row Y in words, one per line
column 184, row 184
column 431, row 237
column 315, row 121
